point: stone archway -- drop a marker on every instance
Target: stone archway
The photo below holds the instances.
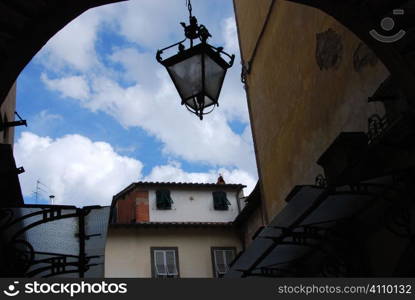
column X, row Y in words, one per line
column 27, row 26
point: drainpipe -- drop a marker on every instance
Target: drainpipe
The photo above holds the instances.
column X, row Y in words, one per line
column 237, row 200
column 241, row 231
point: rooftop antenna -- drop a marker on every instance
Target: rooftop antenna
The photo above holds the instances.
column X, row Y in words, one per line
column 39, row 190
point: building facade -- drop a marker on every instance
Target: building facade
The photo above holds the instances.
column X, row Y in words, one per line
column 179, row 230
column 9, row 181
column 336, row 169
column 310, row 79
column 309, row 71
column 7, row 109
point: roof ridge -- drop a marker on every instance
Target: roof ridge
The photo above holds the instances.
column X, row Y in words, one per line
column 188, row 183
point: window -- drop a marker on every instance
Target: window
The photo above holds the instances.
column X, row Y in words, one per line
column 220, row 202
column 164, row 262
column 163, row 199
column 221, row 259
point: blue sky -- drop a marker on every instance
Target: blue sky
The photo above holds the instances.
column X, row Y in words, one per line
column 103, row 113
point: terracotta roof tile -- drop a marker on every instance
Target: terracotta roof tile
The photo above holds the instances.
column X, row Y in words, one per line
column 173, row 224
column 179, row 184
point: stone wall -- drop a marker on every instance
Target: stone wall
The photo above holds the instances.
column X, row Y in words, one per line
column 7, row 109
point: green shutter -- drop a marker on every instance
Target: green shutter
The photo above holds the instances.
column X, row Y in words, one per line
column 220, row 202
column 163, row 199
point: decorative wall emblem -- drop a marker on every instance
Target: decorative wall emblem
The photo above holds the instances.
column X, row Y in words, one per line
column 363, row 56
column 329, row 51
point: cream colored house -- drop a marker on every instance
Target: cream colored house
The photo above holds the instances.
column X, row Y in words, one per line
column 179, row 230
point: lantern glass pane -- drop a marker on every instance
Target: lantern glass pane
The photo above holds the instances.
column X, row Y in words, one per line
column 208, row 101
column 187, row 76
column 193, row 103
column 214, row 75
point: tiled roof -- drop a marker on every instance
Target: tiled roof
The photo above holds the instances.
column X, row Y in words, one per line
column 172, row 224
column 192, row 184
column 179, row 184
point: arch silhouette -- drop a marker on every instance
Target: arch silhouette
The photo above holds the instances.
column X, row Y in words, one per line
column 28, row 25
column 26, row 28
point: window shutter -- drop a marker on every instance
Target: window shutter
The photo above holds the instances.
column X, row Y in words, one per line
column 171, row 262
column 163, row 199
column 159, row 261
column 220, row 262
column 220, row 201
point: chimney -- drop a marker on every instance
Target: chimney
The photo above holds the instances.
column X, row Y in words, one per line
column 220, row 180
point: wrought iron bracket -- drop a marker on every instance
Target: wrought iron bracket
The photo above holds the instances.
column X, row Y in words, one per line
column 17, row 171
column 26, row 260
column 5, row 124
column 321, row 181
column 376, row 127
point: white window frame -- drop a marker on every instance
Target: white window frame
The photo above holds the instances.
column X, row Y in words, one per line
column 164, row 252
column 222, row 251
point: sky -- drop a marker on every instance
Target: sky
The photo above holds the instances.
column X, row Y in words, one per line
column 103, row 113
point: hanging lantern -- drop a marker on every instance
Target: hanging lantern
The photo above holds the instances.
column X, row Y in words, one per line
column 197, row 72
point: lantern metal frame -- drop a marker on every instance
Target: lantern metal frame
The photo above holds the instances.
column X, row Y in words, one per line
column 192, row 32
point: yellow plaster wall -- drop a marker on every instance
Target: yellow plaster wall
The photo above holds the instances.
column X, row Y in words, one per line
column 128, row 254
column 7, row 108
column 296, row 109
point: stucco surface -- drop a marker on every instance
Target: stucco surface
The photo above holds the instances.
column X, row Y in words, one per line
column 297, row 109
column 193, row 206
column 7, row 108
column 128, row 254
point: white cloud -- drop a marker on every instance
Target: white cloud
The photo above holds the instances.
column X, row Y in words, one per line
column 149, row 23
column 76, row 170
column 44, row 121
column 74, row 46
column 230, row 35
column 72, row 86
column 150, row 100
column 81, row 172
column 159, row 113
column 137, row 67
column 128, row 149
column 183, row 134
column 44, row 115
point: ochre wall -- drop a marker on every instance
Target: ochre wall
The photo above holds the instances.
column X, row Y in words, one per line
column 297, row 109
column 127, row 252
column 252, row 224
column 7, row 109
